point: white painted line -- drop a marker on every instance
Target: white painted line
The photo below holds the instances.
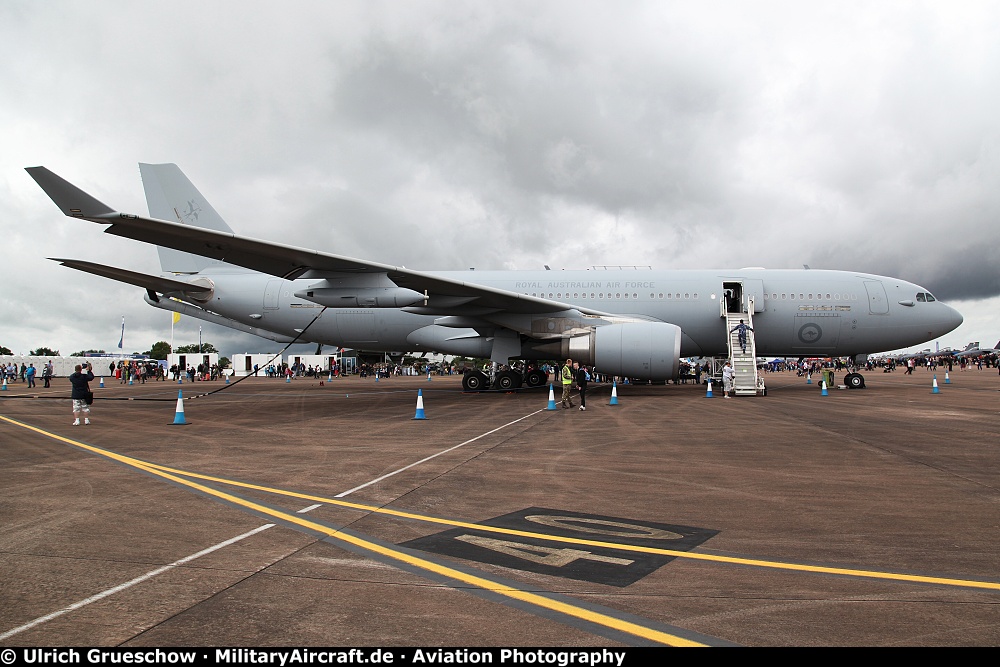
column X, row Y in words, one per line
column 133, row 582
column 220, row 545
column 432, row 456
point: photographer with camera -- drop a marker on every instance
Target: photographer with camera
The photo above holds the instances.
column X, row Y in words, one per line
column 82, row 396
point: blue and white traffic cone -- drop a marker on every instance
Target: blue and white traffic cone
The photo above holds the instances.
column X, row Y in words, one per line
column 179, row 413
column 428, row 376
column 809, row 378
column 614, row 393
column 552, row 398
column 824, row 392
column 4, row 387
column 227, row 379
column 947, row 380
column 936, row 390
column 102, row 382
column 130, row 380
column 708, row 394
column 288, row 379
column 420, row 405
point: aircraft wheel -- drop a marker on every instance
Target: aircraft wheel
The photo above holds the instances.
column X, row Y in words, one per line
column 474, row 381
column 508, row 380
column 855, row 381
column 535, row 379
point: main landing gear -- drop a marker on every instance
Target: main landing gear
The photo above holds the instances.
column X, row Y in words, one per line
column 507, row 380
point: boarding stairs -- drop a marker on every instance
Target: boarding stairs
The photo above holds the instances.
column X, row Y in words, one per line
column 747, row 381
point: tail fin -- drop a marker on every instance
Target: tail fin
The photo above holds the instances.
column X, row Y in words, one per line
column 171, row 196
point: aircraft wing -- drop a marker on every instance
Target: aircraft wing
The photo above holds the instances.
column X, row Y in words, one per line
column 281, row 260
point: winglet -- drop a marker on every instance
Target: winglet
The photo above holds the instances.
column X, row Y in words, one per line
column 73, row 201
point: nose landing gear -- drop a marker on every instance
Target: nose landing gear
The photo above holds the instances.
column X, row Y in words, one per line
column 854, row 381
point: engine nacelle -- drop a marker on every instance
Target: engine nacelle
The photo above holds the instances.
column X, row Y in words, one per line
column 645, row 350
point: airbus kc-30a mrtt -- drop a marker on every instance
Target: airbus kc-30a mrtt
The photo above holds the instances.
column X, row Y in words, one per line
column 631, row 322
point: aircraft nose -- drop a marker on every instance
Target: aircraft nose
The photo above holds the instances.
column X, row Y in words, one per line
column 951, row 319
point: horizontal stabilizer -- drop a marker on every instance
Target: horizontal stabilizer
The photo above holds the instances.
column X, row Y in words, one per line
column 73, row 201
column 155, row 283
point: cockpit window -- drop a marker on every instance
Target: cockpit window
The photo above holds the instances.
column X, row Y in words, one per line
column 920, row 297
column 930, row 297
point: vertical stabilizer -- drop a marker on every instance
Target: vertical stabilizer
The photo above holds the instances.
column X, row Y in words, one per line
column 171, row 196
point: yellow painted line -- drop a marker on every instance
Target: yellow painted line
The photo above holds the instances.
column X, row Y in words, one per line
column 733, row 560
column 538, row 600
column 816, row 569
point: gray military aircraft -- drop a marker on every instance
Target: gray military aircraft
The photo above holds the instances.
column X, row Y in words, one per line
column 973, row 350
column 628, row 322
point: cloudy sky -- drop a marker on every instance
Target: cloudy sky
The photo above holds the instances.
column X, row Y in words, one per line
column 442, row 135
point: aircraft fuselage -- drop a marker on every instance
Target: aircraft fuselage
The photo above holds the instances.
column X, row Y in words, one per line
column 796, row 312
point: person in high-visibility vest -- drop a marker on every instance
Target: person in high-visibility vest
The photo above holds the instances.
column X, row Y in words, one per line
column 567, row 383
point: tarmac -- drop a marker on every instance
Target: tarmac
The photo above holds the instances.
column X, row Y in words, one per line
column 309, row 514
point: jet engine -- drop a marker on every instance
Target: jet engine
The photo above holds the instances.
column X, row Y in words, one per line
column 648, row 350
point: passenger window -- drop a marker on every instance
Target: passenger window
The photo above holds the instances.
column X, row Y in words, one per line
column 920, row 297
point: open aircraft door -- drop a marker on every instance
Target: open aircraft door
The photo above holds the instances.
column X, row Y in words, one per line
column 744, row 290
